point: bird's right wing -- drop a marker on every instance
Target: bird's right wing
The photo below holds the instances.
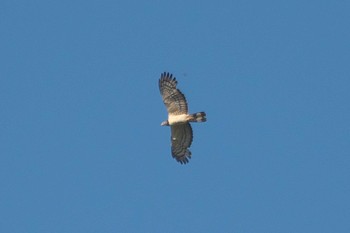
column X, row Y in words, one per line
column 181, row 140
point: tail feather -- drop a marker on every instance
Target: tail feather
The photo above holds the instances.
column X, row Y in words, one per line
column 198, row 117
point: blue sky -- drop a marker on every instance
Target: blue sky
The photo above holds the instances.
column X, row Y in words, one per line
column 81, row 145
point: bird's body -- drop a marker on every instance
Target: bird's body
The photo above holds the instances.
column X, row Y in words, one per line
column 178, row 118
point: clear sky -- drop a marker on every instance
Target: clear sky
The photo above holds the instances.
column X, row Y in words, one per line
column 81, row 146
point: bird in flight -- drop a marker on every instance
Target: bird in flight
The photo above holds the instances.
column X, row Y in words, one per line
column 178, row 118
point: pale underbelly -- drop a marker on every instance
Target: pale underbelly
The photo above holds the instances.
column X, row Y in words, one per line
column 177, row 119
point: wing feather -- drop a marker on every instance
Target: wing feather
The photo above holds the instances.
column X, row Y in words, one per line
column 173, row 98
column 181, row 140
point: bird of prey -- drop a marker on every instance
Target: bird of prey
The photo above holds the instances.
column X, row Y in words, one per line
column 178, row 118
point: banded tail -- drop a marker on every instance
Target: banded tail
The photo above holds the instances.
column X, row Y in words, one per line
column 198, row 117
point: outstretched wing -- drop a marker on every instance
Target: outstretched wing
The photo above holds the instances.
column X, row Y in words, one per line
column 181, row 140
column 173, row 99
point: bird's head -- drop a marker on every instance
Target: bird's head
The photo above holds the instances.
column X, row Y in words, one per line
column 165, row 123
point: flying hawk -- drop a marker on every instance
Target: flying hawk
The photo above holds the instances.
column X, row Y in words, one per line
column 178, row 118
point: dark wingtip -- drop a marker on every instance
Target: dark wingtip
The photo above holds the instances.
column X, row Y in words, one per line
column 184, row 160
column 168, row 76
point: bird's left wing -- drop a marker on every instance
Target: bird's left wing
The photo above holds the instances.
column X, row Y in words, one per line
column 173, row 98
